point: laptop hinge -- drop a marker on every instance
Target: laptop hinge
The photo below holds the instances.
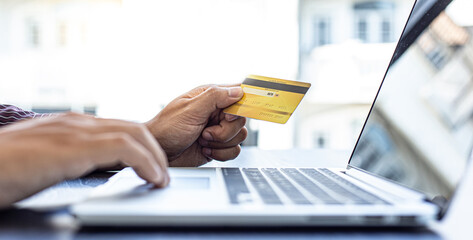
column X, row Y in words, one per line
column 441, row 202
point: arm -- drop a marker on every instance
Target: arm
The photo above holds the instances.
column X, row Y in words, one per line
column 38, row 153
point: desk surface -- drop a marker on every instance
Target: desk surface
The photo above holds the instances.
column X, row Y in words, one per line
column 58, row 224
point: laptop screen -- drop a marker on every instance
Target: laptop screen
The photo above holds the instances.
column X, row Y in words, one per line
column 420, row 129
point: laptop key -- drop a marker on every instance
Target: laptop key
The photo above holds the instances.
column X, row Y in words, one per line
column 262, row 186
column 317, row 192
column 286, row 186
column 236, row 187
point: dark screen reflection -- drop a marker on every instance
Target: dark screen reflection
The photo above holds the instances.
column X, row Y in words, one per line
column 420, row 130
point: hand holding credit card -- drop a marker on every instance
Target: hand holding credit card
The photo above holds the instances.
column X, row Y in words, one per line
column 269, row 99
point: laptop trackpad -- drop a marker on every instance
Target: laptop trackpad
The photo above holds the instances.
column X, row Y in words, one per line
column 190, row 183
column 127, row 183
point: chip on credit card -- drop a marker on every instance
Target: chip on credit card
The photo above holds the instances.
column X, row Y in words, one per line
column 269, row 99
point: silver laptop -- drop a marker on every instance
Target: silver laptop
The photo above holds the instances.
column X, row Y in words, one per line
column 403, row 171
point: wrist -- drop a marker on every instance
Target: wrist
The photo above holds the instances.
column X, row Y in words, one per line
column 155, row 129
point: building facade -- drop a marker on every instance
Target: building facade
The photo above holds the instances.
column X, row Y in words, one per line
column 345, row 48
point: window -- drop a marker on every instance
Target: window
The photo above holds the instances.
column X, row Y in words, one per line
column 373, row 21
column 321, row 31
column 436, row 52
column 386, row 31
column 320, row 140
column 33, row 34
column 362, row 30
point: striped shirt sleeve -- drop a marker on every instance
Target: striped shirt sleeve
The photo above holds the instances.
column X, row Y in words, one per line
column 10, row 114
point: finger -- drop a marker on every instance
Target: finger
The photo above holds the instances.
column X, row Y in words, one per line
column 230, row 85
column 140, row 133
column 231, row 117
column 74, row 115
column 224, row 131
column 239, row 138
column 222, row 154
column 215, row 97
column 113, row 147
column 192, row 157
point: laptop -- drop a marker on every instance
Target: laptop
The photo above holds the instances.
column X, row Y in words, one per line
column 403, row 171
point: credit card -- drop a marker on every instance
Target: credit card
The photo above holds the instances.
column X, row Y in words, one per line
column 269, row 99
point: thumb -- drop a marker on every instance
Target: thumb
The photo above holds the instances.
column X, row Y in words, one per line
column 215, row 97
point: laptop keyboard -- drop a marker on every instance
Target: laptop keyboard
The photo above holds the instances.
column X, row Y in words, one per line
column 237, row 190
column 321, row 195
column 362, row 194
column 286, row 186
column 259, row 182
column 321, row 186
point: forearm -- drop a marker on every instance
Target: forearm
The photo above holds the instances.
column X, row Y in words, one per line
column 39, row 153
column 10, row 114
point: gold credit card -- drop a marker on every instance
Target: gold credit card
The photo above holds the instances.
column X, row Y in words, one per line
column 269, row 99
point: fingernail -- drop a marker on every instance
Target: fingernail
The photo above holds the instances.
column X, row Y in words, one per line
column 231, row 117
column 235, row 92
column 167, row 180
column 159, row 181
column 207, row 151
column 207, row 136
column 160, row 178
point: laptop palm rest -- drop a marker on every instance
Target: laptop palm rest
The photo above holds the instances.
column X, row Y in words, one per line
column 131, row 190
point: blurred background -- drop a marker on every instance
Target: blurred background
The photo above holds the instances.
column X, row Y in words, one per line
column 128, row 58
